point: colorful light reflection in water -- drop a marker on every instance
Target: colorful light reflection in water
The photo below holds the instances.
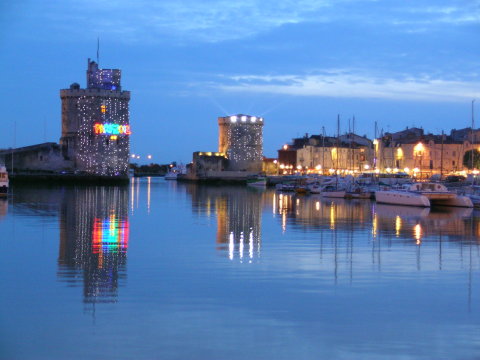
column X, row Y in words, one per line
column 110, row 235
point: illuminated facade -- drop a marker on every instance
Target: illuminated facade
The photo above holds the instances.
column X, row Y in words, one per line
column 241, row 139
column 325, row 154
column 96, row 124
column 423, row 155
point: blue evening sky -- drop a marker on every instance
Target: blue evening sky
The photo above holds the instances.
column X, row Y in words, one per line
column 297, row 63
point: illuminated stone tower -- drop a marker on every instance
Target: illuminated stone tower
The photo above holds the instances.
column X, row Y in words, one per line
column 241, row 139
column 96, row 124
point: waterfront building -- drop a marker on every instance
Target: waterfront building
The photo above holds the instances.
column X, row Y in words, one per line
column 424, row 154
column 96, row 123
column 241, row 140
column 326, row 154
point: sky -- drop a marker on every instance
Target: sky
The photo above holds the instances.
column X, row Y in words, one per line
column 297, row 63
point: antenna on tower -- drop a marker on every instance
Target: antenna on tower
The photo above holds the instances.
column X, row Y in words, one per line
column 98, row 51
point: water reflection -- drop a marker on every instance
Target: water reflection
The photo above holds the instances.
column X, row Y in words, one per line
column 3, row 208
column 238, row 213
column 409, row 223
column 94, row 232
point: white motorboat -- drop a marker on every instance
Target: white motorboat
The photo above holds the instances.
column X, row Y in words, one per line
column 3, row 181
column 401, row 197
column 438, row 194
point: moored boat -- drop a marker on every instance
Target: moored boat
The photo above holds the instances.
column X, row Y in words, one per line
column 173, row 173
column 3, row 181
column 438, row 194
column 331, row 191
column 401, row 197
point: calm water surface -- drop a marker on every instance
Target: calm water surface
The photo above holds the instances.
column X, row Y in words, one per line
column 160, row 270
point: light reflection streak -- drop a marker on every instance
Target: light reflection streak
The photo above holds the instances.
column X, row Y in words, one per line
column 398, row 225
column 132, row 197
column 332, row 216
column 148, row 194
column 138, row 192
column 274, row 205
column 417, row 230
column 231, row 246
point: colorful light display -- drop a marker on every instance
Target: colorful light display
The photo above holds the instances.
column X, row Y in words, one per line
column 110, row 235
column 111, row 129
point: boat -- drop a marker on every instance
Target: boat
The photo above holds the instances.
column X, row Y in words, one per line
column 302, row 189
column 359, row 192
column 258, row 181
column 171, row 176
column 314, row 187
column 438, row 194
column 423, row 194
column 332, row 191
column 401, row 196
column 3, row 181
column 173, row 173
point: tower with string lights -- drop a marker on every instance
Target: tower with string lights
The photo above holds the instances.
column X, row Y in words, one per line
column 96, row 124
column 241, row 140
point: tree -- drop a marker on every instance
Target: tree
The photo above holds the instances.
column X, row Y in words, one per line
column 467, row 159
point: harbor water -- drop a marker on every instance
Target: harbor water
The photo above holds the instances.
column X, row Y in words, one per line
column 165, row 270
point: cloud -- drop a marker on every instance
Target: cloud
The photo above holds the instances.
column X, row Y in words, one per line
column 350, row 84
column 208, row 21
column 223, row 20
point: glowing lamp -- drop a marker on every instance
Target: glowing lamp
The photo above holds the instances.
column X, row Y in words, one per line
column 244, row 118
column 233, row 119
column 253, row 119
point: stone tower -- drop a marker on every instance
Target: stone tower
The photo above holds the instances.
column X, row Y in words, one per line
column 96, row 124
column 241, row 140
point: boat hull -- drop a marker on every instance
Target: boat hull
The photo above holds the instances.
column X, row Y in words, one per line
column 401, row 198
column 457, row 201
